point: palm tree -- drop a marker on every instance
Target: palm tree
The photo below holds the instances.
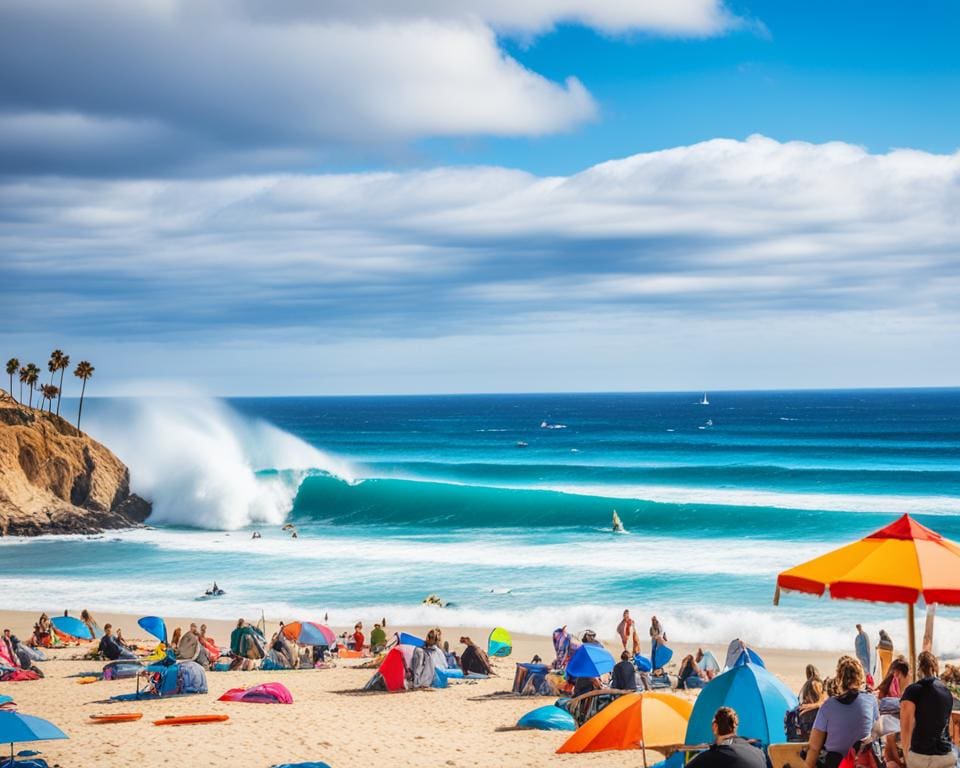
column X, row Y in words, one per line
column 62, row 365
column 50, row 393
column 33, row 373
column 12, row 366
column 53, row 364
column 83, row 371
column 23, row 380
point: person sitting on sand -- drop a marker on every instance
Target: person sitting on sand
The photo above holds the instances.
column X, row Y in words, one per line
column 440, row 660
column 688, row 669
column 474, row 660
column 378, row 639
column 842, row 721
column 708, row 664
column 925, row 709
column 175, row 640
column 728, row 750
column 42, row 632
column 895, row 681
column 357, row 638
column 118, row 636
column 191, row 649
column 209, row 644
column 109, row 648
column 422, row 665
column 624, row 675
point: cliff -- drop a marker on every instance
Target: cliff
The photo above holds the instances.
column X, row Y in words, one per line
column 54, row 479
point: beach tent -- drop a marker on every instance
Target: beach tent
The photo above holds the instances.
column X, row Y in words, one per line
column 265, row 693
column 6, row 659
column 16, row 728
column 633, row 721
column 72, row 627
column 155, row 626
column 738, row 652
column 310, row 633
column 179, row 679
column 590, row 661
column 409, row 640
column 122, row 669
column 529, row 678
column 499, row 643
column 927, row 567
column 391, row 675
column 548, row 718
column 759, row 698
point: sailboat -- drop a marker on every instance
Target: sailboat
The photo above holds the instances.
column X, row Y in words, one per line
column 704, row 400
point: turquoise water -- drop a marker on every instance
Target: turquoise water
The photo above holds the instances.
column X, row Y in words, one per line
column 396, row 498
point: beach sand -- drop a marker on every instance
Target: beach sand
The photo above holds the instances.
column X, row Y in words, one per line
column 328, row 721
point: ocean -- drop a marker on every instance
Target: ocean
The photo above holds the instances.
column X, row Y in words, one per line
column 501, row 505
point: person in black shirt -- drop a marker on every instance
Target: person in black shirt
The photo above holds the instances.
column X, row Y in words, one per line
column 925, row 718
column 624, row 677
column 110, row 648
column 728, row 749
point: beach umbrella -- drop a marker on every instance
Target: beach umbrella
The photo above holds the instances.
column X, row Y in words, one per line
column 633, row 721
column 73, row 627
column 155, row 626
column 310, row 633
column 412, row 640
column 590, row 661
column 499, row 643
column 760, row 700
column 901, row 563
column 15, row 728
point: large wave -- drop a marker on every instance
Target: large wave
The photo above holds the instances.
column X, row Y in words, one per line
column 203, row 465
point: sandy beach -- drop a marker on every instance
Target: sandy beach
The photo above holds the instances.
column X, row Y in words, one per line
column 328, row 721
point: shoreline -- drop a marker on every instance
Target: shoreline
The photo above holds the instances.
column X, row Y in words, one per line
column 330, row 719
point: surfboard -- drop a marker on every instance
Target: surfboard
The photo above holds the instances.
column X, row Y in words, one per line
column 192, row 719
column 119, row 717
column 663, row 657
column 87, row 680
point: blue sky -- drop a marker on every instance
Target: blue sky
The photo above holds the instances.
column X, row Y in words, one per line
column 482, row 195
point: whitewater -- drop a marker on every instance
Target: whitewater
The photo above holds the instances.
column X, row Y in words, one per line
column 472, row 498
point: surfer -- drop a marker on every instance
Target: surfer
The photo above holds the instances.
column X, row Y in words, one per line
column 214, row 591
column 618, row 523
column 256, row 535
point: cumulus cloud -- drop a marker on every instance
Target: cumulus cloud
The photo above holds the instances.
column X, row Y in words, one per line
column 199, row 86
column 751, row 227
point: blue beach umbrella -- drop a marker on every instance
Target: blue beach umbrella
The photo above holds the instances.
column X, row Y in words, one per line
column 590, row 661
column 68, row 625
column 15, row 727
column 155, row 626
column 759, row 698
column 749, row 656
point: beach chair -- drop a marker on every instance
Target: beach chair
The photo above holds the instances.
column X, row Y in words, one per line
column 586, row 705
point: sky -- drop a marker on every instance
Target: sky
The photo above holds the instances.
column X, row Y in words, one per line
column 414, row 196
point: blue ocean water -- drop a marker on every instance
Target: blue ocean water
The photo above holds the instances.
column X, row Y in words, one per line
column 501, row 504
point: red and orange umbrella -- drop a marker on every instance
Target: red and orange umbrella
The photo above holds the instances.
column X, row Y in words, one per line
column 897, row 564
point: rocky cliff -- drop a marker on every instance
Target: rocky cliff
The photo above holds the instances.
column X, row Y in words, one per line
column 54, row 479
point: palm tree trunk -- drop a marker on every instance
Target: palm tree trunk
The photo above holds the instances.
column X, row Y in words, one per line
column 80, row 411
column 21, row 393
column 31, row 395
column 11, row 385
column 61, row 392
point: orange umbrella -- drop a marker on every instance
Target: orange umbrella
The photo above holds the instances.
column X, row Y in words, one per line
column 634, row 721
column 897, row 564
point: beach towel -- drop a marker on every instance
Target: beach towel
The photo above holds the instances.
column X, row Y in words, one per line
column 17, row 675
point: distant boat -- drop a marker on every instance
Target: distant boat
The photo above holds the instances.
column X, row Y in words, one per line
column 521, row 444
column 704, row 400
column 548, row 425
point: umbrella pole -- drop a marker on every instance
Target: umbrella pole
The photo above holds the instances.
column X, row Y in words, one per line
column 643, row 749
column 912, row 640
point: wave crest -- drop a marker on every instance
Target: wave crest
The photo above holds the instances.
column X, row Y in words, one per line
column 203, row 465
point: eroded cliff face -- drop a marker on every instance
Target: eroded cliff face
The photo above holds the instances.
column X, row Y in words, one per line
column 54, row 479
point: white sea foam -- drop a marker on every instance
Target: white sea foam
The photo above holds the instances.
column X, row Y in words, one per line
column 197, row 459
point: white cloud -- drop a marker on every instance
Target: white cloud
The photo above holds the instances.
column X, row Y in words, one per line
column 117, row 88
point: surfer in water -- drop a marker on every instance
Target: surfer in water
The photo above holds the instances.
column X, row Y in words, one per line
column 618, row 523
column 214, row 591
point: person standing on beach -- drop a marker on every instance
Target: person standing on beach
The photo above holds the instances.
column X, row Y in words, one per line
column 925, row 718
column 657, row 638
column 626, row 630
column 862, row 647
column 884, row 654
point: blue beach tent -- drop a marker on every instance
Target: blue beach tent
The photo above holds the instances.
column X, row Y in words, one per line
column 758, row 697
column 155, row 626
column 590, row 661
column 71, row 626
column 548, row 718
